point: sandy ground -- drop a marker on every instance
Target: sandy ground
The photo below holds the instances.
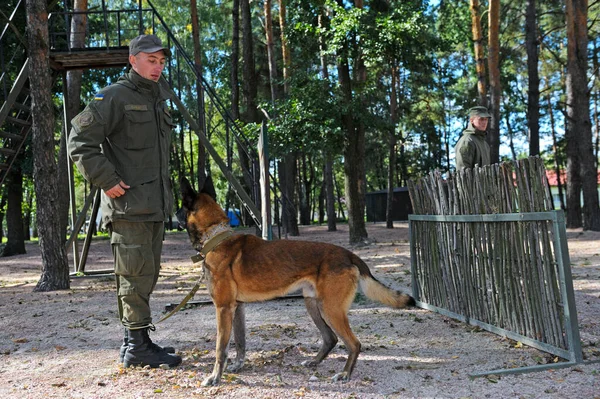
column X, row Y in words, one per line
column 64, row 344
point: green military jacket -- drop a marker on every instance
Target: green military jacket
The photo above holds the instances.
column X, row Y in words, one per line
column 125, row 134
column 472, row 149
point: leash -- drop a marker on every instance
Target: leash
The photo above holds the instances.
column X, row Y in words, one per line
column 200, row 258
column 188, row 296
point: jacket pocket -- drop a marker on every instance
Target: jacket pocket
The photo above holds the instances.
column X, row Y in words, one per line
column 144, row 198
column 140, row 130
column 167, row 121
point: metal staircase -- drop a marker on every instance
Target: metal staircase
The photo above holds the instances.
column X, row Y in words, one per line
column 107, row 37
column 15, row 109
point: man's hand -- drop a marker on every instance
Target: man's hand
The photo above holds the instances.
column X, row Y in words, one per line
column 117, row 190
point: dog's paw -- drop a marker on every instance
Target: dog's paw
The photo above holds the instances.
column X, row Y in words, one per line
column 343, row 377
column 211, row 381
column 235, row 366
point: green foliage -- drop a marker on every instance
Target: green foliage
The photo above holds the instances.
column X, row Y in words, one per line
column 428, row 44
column 307, row 121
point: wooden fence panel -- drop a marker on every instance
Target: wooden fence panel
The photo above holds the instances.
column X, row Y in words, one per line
column 488, row 248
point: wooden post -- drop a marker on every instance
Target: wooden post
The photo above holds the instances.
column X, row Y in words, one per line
column 263, row 160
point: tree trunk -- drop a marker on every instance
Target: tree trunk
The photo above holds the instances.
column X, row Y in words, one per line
column 2, row 205
column 444, row 125
column 330, row 200
column 557, row 168
column 533, row 98
column 336, row 185
column 401, row 138
column 305, row 189
column 201, row 174
column 27, row 219
column 328, row 169
column 573, row 127
column 285, row 50
column 15, row 244
column 235, row 85
column 579, row 130
column 273, row 78
column 235, row 56
column 596, row 117
column 352, row 173
column 55, row 268
column 250, row 83
column 360, row 67
column 403, row 174
column 479, row 53
column 286, row 167
column 510, row 133
column 493, row 135
column 391, row 172
column 321, row 205
column 249, row 91
column 289, row 215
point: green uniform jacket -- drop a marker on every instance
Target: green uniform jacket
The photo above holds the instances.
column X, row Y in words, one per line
column 472, row 149
column 125, row 134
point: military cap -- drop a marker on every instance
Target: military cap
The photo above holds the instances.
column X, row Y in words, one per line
column 479, row 111
column 147, row 44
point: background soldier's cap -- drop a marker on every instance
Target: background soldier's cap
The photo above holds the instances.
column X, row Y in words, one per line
column 147, row 44
column 479, row 111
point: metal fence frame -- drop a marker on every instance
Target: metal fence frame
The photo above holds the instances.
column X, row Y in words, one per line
column 573, row 352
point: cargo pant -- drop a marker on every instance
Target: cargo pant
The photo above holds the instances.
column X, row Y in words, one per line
column 136, row 248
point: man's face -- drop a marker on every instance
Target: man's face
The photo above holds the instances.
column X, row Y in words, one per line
column 148, row 65
column 479, row 122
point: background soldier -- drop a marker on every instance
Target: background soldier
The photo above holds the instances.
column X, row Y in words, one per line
column 472, row 148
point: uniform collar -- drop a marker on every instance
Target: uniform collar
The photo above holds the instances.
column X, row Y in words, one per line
column 144, row 85
column 471, row 130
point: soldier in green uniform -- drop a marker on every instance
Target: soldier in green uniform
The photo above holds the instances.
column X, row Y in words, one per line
column 120, row 143
column 472, row 148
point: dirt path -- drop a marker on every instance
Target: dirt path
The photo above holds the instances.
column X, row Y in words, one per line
column 65, row 344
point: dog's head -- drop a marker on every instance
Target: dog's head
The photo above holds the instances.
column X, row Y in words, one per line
column 199, row 211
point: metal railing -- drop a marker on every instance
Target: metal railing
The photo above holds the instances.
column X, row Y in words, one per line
column 13, row 51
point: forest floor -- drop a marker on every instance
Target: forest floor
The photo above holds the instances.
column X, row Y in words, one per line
column 64, row 344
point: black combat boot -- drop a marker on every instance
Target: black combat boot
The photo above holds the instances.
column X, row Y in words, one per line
column 141, row 352
column 168, row 349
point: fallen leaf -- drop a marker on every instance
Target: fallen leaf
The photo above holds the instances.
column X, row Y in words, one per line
column 519, row 344
column 20, row 340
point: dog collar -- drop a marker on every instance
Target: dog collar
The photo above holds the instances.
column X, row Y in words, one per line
column 211, row 244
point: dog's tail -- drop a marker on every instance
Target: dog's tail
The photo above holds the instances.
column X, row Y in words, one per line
column 376, row 291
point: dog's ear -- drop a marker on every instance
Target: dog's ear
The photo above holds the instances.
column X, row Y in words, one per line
column 188, row 195
column 209, row 188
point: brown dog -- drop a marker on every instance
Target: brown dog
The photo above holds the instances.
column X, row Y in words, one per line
column 244, row 268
